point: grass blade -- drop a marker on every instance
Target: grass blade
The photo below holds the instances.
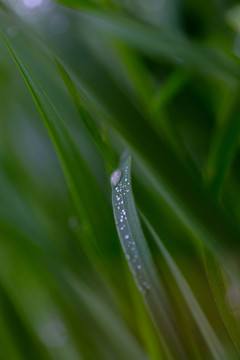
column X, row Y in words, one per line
column 223, row 149
column 157, row 45
column 91, row 206
column 139, row 259
column 219, row 290
column 92, row 128
column 197, row 313
column 109, row 322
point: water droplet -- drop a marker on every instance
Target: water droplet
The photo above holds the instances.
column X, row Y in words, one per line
column 126, row 237
column 139, row 267
column 115, row 177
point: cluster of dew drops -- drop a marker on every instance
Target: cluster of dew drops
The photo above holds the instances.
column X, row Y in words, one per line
column 120, row 183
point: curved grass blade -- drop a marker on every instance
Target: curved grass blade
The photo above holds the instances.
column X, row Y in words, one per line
column 140, row 260
column 196, row 311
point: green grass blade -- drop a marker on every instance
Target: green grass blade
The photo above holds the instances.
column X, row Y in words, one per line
column 143, row 322
column 91, row 206
column 219, row 290
column 157, row 45
column 138, row 73
column 140, row 260
column 223, row 149
column 202, row 219
column 196, row 311
column 109, row 322
column 93, row 129
column 88, row 4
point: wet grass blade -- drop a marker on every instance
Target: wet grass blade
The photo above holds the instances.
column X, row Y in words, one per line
column 143, row 321
column 140, row 260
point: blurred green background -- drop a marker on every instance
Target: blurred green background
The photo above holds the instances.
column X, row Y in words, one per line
column 161, row 80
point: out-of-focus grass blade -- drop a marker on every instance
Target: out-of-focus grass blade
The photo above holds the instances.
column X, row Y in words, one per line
column 196, row 311
column 195, row 214
column 9, row 350
column 140, row 260
column 201, row 226
column 223, row 148
column 92, row 208
column 40, row 297
column 138, row 73
column 170, row 88
column 28, row 289
column 91, row 205
column 219, row 290
column 158, row 45
column 96, row 133
column 86, row 4
column 109, row 323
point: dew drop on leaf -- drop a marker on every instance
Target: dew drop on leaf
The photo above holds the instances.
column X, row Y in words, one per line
column 115, row 177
